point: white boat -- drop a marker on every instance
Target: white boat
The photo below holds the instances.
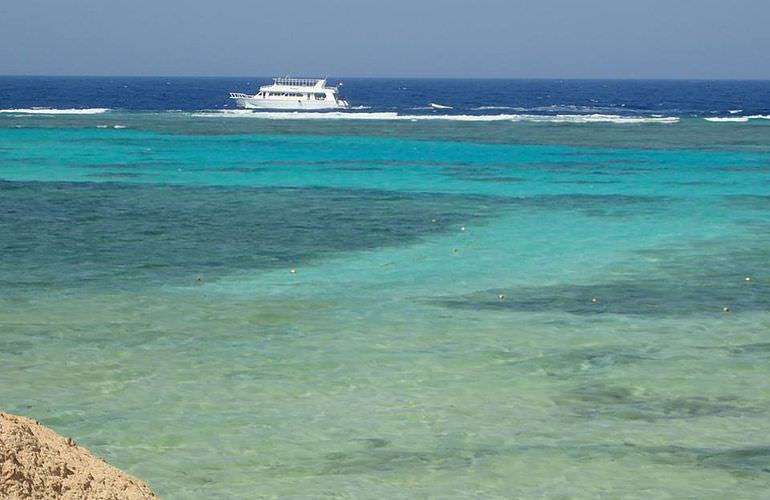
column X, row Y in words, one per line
column 292, row 93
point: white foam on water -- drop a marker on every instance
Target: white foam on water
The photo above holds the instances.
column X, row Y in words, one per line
column 602, row 118
column 734, row 111
column 393, row 116
column 56, row 111
column 298, row 115
column 723, row 119
column 496, row 108
column 736, row 119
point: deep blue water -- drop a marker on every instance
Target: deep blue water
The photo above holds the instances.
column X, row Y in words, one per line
column 680, row 98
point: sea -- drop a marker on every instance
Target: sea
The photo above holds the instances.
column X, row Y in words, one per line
column 550, row 289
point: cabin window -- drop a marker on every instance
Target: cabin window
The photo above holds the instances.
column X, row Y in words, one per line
column 320, row 97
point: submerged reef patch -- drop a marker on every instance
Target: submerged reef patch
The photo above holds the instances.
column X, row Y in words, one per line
column 129, row 233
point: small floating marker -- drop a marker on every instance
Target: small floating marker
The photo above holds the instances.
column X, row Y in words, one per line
column 594, row 299
column 462, row 228
column 747, row 278
column 500, row 296
column 199, row 280
column 293, row 271
column 433, row 221
column 455, row 250
column 725, row 309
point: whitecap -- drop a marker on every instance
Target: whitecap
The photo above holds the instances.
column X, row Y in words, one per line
column 602, row 118
column 497, row 108
column 341, row 115
column 298, row 115
column 56, row 111
column 566, row 108
column 734, row 119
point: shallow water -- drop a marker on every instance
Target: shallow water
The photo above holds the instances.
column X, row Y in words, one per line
column 477, row 309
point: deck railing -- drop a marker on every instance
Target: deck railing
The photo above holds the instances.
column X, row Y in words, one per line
column 297, row 82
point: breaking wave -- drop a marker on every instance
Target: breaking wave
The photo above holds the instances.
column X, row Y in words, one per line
column 736, row 119
column 393, row 116
column 497, row 108
column 56, row 111
column 572, row 109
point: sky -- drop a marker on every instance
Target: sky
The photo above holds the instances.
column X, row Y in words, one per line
column 388, row 38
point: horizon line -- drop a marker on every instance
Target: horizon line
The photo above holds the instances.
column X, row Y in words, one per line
column 672, row 79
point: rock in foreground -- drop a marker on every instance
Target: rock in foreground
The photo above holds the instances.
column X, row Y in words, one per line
column 36, row 462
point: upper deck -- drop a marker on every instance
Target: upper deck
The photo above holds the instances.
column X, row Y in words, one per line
column 302, row 85
column 299, row 82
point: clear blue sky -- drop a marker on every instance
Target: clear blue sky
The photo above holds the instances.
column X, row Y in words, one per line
column 443, row 38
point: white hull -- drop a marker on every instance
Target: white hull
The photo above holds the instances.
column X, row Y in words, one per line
column 292, row 93
column 296, row 104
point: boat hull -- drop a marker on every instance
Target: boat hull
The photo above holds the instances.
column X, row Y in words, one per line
column 292, row 104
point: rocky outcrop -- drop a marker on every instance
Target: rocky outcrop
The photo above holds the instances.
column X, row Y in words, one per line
column 37, row 463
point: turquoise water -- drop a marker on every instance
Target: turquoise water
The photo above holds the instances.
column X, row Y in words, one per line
column 234, row 307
